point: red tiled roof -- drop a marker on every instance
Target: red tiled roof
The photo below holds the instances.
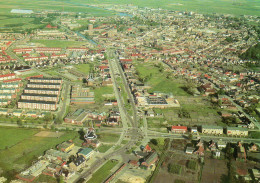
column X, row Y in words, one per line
column 7, row 75
column 179, row 127
column 12, row 80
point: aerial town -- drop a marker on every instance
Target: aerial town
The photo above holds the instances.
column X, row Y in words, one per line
column 142, row 95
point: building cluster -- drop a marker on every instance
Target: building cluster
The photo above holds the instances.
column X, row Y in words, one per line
column 19, row 113
column 66, row 160
column 41, row 93
column 212, row 130
column 9, row 87
column 81, row 116
column 80, row 95
column 147, row 158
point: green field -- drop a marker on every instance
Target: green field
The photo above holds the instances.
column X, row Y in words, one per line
column 101, row 174
column 84, row 68
column 103, row 148
column 58, row 43
column 102, row 90
column 20, row 134
column 16, row 23
column 19, row 147
column 108, row 137
column 158, row 80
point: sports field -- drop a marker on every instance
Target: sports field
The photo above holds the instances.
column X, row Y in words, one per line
column 19, row 147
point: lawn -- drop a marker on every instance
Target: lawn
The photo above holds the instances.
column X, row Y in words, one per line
column 99, row 92
column 58, row 43
column 84, row 68
column 104, row 148
column 22, row 152
column 107, row 137
column 105, row 171
column 158, row 80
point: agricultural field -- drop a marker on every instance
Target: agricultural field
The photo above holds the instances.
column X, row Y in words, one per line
column 60, row 5
column 158, row 80
column 178, row 167
column 58, row 43
column 236, row 7
column 21, row 147
column 12, row 22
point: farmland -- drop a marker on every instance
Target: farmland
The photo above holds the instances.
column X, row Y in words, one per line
column 20, row 150
column 39, row 5
column 236, row 7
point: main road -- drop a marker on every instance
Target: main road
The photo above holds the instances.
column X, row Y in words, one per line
column 134, row 133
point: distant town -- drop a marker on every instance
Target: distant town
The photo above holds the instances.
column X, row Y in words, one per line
column 144, row 95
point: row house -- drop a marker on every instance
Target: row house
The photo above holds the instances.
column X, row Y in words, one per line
column 78, row 49
column 45, row 80
column 12, row 80
column 8, row 90
column 36, row 58
column 22, row 50
column 213, row 130
column 35, row 104
column 7, row 77
column 42, row 91
column 44, row 85
column 39, row 97
column 59, row 56
column 47, row 50
column 11, row 85
column 4, row 102
column 7, row 96
column 236, row 131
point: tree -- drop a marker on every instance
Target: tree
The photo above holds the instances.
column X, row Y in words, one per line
column 48, row 117
column 154, row 142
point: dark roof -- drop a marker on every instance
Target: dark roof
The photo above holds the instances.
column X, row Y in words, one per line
column 45, row 78
column 37, row 101
column 46, row 89
column 44, row 83
column 79, row 160
column 40, row 95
